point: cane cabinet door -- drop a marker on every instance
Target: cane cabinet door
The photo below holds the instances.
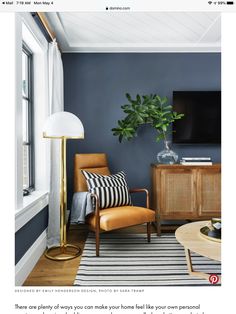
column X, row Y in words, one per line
column 178, row 193
column 209, row 192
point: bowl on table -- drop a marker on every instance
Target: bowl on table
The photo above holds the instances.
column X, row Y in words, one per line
column 215, row 228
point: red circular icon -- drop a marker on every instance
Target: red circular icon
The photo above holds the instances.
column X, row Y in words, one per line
column 214, row 279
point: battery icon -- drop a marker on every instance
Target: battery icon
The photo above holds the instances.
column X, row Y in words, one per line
column 230, row 2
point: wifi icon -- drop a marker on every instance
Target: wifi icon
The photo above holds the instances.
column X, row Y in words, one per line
column 210, row 2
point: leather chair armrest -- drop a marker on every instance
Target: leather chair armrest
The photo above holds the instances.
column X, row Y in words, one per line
column 142, row 191
column 97, row 210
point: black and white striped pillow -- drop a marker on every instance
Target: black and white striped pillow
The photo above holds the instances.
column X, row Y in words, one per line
column 112, row 190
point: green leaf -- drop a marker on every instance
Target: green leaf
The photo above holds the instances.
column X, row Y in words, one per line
column 128, row 97
column 180, row 116
column 138, row 99
column 120, row 123
column 158, row 98
column 128, row 111
column 160, row 137
column 164, row 100
column 125, row 106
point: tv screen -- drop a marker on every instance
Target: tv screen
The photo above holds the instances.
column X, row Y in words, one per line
column 201, row 123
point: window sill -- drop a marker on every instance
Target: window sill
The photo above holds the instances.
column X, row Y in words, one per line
column 32, row 205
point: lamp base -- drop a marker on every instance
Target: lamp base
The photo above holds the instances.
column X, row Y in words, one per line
column 63, row 253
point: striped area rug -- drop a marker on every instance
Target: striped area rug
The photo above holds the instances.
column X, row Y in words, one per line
column 128, row 260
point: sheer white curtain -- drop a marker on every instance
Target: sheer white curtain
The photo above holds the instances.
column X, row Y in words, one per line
column 56, row 102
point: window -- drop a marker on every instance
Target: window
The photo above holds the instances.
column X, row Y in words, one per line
column 27, row 119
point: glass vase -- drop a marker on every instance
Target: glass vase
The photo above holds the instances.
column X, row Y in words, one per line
column 167, row 156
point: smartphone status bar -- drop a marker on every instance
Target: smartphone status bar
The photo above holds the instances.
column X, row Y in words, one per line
column 118, row 6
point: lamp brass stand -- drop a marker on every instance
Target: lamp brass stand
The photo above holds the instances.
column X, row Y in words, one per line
column 64, row 251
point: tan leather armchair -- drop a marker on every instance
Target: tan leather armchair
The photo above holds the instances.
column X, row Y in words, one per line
column 110, row 218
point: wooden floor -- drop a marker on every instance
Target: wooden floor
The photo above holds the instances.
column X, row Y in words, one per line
column 62, row 273
column 58, row 273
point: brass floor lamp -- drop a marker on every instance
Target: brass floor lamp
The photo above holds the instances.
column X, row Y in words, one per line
column 62, row 126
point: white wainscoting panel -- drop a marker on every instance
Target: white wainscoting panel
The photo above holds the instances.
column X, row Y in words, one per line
column 29, row 259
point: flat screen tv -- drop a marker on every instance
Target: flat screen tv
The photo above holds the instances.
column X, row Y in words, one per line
column 201, row 123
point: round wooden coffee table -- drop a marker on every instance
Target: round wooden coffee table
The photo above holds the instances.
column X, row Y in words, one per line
column 189, row 236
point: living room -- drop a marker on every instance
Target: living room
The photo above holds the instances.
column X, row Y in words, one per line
column 101, row 64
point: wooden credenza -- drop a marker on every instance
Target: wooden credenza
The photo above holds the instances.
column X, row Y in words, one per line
column 185, row 192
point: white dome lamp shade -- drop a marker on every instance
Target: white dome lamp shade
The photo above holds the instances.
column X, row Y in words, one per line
column 63, row 125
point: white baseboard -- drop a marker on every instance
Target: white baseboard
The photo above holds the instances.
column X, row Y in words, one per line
column 29, row 259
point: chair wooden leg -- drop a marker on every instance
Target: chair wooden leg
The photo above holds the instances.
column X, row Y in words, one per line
column 149, row 231
column 97, row 242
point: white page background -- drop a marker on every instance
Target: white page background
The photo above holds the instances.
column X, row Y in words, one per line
column 215, row 300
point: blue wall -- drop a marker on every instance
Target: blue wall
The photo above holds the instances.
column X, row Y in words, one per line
column 95, row 87
column 29, row 233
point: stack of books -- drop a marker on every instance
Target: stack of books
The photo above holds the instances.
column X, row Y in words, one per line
column 196, row 161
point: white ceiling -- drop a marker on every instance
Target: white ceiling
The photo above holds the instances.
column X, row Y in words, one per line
column 137, row 31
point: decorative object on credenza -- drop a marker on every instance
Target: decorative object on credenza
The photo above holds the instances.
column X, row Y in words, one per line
column 216, row 224
column 148, row 109
column 212, row 231
column 196, row 161
column 62, row 126
column 167, row 156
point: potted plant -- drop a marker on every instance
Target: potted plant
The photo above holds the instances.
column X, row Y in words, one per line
column 153, row 110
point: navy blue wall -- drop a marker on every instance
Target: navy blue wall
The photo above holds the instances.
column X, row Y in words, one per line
column 95, row 87
column 29, row 233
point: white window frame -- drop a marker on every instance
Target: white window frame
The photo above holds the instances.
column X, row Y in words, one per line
column 28, row 99
column 27, row 31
